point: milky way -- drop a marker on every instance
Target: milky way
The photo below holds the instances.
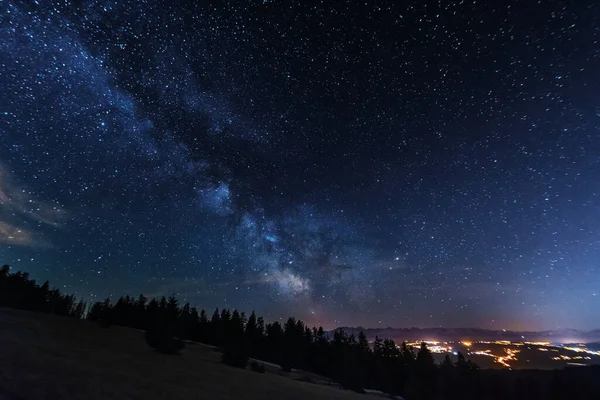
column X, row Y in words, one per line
column 375, row 164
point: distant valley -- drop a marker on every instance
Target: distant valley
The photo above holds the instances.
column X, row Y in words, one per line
column 492, row 349
column 562, row 336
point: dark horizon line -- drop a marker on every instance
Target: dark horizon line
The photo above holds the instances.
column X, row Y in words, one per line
column 115, row 297
column 595, row 330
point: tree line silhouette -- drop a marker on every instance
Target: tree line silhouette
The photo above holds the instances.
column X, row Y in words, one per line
column 349, row 360
column 19, row 291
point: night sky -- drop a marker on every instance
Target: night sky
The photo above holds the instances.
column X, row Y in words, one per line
column 351, row 163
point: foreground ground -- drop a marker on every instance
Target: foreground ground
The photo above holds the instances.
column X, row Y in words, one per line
column 48, row 357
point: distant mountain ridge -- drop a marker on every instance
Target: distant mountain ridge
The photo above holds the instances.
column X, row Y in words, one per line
column 454, row 334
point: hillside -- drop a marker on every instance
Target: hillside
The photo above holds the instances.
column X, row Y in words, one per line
column 49, row 357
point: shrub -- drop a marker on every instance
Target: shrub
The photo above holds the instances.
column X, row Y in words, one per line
column 105, row 321
column 286, row 368
column 105, row 315
column 235, row 355
column 163, row 341
column 256, row 367
column 286, row 362
column 305, row 378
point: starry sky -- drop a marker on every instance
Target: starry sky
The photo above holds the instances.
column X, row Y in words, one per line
column 379, row 163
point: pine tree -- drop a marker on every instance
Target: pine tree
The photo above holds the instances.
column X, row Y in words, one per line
column 425, row 360
column 274, row 342
column 162, row 304
column 106, row 317
column 201, row 334
column 291, row 342
column 425, row 372
column 215, row 328
column 378, row 346
column 223, row 327
column 447, row 364
column 140, row 318
column 251, row 334
column 407, row 355
column 464, row 366
column 172, row 308
column 163, row 331
column 95, row 312
column 235, row 349
column 79, row 310
column 363, row 343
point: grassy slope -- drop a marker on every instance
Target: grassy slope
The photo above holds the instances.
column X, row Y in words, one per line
column 43, row 356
